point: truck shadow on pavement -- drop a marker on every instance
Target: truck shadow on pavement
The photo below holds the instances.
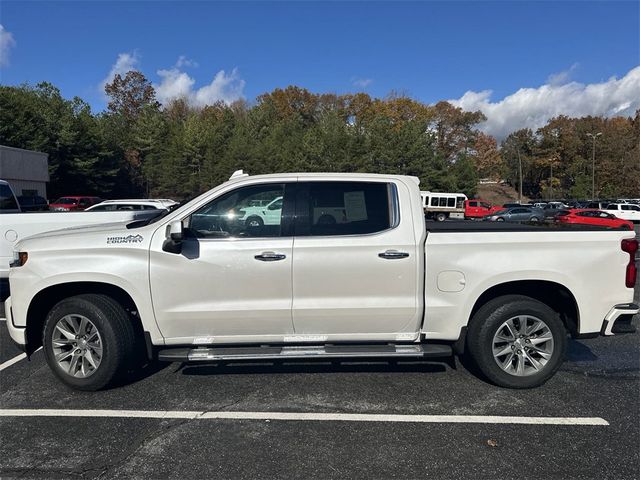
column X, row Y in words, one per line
column 579, row 352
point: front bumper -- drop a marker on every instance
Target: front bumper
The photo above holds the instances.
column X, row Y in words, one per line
column 17, row 334
column 618, row 320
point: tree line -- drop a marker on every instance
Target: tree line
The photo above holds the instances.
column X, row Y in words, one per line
column 139, row 148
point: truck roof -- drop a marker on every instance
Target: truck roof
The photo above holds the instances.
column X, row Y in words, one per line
column 339, row 175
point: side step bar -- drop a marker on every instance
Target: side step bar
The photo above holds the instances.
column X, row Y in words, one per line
column 204, row 354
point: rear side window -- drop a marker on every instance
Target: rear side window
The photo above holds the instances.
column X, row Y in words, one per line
column 7, row 200
column 343, row 208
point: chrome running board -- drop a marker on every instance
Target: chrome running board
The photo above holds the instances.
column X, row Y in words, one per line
column 200, row 354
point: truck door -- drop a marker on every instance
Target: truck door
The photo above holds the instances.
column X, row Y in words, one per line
column 356, row 273
column 232, row 278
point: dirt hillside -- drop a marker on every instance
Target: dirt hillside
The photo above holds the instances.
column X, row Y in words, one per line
column 497, row 194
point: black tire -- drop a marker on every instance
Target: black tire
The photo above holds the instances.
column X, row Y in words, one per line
column 486, row 322
column 534, row 220
column 499, row 219
column 116, row 331
column 254, row 222
column 441, row 217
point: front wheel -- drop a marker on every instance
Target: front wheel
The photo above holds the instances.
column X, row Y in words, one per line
column 88, row 341
column 516, row 341
column 500, row 219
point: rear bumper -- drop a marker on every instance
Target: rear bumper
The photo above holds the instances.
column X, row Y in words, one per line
column 618, row 320
column 17, row 334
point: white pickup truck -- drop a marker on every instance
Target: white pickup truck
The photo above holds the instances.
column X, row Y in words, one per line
column 378, row 284
column 625, row 211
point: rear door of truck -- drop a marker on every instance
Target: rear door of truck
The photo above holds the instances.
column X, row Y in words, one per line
column 355, row 275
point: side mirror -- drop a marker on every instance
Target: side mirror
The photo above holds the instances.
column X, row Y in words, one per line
column 174, row 236
column 174, row 231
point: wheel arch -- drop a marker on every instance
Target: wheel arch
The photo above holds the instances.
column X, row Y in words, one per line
column 46, row 298
column 555, row 295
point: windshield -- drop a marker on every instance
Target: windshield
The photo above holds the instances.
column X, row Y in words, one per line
column 66, row 201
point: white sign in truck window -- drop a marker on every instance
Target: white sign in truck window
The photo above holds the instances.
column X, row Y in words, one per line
column 355, row 206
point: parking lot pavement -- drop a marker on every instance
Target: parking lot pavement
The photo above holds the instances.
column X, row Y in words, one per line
column 600, row 380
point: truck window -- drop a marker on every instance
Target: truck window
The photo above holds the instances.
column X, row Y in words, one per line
column 344, row 208
column 435, row 201
column 443, row 201
column 240, row 213
column 7, row 200
column 451, row 202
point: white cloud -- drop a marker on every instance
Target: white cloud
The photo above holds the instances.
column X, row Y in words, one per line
column 124, row 63
column 563, row 77
column 183, row 61
column 175, row 83
column 6, row 44
column 532, row 107
column 361, row 82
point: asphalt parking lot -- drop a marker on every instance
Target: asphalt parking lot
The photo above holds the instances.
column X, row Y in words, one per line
column 134, row 434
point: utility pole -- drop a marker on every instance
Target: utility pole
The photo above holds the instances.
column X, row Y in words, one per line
column 593, row 136
column 551, row 182
column 520, row 175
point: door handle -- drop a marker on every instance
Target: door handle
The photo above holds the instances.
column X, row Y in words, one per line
column 270, row 256
column 393, row 254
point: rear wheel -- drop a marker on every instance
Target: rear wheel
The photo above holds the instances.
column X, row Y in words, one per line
column 535, row 220
column 516, row 341
column 88, row 341
column 441, row 217
column 500, row 219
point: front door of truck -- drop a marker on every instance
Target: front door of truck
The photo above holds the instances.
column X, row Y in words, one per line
column 232, row 278
column 356, row 267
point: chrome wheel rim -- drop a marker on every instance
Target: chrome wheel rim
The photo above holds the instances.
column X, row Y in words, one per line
column 523, row 345
column 77, row 346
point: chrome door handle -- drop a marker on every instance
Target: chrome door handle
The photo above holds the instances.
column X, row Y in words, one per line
column 270, row 256
column 393, row 254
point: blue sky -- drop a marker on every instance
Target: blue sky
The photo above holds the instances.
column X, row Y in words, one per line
column 430, row 50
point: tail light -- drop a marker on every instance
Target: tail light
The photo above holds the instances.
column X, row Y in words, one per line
column 630, row 245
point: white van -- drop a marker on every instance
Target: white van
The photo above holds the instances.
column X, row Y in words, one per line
column 441, row 206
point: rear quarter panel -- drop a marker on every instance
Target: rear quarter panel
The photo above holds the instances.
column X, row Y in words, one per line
column 591, row 265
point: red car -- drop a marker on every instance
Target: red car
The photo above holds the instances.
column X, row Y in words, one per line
column 478, row 209
column 592, row 217
column 73, row 203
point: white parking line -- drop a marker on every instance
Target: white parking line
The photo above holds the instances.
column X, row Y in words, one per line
column 294, row 416
column 15, row 359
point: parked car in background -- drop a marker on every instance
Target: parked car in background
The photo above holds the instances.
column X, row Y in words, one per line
column 478, row 208
column 73, row 203
column 8, row 201
column 512, row 205
column 591, row 217
column 440, row 206
column 626, row 211
column 551, row 209
column 33, row 203
column 517, row 214
column 597, row 205
column 133, row 204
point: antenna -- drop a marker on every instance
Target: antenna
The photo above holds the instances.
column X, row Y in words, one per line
column 238, row 174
